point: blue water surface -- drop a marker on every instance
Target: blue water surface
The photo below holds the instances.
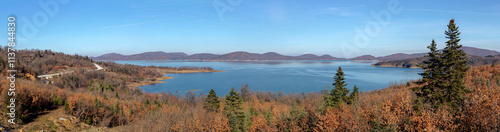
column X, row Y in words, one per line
column 284, row 76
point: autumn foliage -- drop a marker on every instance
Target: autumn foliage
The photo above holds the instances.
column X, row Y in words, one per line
column 99, row 98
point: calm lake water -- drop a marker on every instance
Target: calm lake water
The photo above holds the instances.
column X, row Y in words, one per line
column 284, row 76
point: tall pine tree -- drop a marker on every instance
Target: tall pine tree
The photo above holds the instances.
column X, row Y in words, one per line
column 432, row 78
column 444, row 73
column 455, row 66
column 234, row 110
column 339, row 93
column 212, row 102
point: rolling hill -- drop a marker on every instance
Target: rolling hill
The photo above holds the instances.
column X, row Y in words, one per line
column 233, row 56
column 246, row 56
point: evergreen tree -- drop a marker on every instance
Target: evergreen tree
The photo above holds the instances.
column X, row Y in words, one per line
column 340, row 82
column 147, row 102
column 233, row 110
column 354, row 96
column 444, row 73
column 328, row 98
column 432, row 78
column 339, row 93
column 212, row 102
column 455, row 66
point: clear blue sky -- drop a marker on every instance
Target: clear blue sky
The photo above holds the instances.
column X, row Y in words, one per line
column 291, row 27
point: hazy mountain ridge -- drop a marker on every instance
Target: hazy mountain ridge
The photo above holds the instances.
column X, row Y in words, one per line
column 479, row 52
column 365, row 57
column 233, row 56
column 246, row 56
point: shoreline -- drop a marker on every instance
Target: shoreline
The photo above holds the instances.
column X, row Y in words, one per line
column 164, row 77
column 164, row 71
column 393, row 66
column 148, row 82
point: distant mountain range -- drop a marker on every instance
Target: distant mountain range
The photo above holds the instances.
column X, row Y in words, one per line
column 233, row 56
column 245, row 56
column 397, row 56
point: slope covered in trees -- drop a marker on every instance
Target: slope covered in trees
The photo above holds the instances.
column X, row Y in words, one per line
column 94, row 96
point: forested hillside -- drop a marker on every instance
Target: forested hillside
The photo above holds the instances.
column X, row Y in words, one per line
column 37, row 95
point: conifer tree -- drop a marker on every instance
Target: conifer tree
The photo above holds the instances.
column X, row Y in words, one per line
column 147, row 102
column 328, row 97
column 354, row 96
column 340, row 82
column 444, row 73
column 455, row 66
column 212, row 102
column 339, row 93
column 233, row 110
column 432, row 78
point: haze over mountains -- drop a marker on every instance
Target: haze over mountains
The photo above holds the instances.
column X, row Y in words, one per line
column 246, row 56
column 233, row 56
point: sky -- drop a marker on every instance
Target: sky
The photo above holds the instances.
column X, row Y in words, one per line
column 291, row 27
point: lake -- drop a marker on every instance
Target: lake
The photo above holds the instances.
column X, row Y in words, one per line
column 284, row 76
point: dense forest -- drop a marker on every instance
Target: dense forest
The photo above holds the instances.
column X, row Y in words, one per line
column 451, row 96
